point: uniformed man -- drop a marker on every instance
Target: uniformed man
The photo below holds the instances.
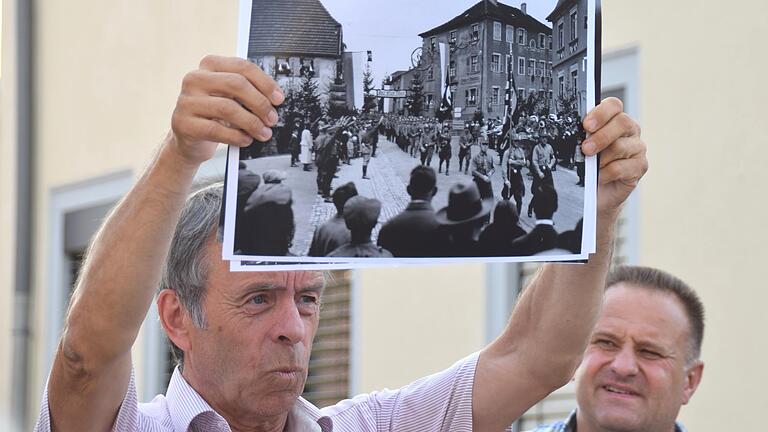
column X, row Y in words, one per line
column 444, row 151
column 482, row 169
column 465, row 149
column 542, row 161
column 512, row 173
column 427, row 146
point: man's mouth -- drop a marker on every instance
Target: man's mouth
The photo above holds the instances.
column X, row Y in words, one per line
column 619, row 391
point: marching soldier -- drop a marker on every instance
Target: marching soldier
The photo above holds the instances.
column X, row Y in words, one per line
column 542, row 160
column 465, row 149
column 444, row 151
column 427, row 147
column 512, row 173
column 482, row 169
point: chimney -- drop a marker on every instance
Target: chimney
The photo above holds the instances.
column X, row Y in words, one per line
column 524, row 8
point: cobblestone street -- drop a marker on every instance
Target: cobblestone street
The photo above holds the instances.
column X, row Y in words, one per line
column 389, row 172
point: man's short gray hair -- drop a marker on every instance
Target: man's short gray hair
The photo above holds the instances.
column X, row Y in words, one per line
column 187, row 265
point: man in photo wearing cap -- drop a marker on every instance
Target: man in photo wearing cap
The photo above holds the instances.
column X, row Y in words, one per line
column 482, row 170
column 542, row 161
column 512, row 173
column 444, row 152
column 462, row 220
column 367, row 140
column 334, row 232
column 296, row 141
column 412, row 233
column 361, row 215
column 465, row 149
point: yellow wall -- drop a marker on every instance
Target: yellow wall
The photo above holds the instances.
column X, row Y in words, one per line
column 416, row 321
column 108, row 74
column 703, row 111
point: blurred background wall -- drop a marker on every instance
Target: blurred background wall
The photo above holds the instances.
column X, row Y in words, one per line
column 105, row 76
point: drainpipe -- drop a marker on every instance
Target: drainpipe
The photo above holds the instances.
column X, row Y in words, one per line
column 24, row 212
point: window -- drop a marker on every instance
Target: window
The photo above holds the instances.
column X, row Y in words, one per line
column 532, row 43
column 474, row 66
column 560, row 34
column 574, row 24
column 452, row 69
column 431, row 73
column 521, row 36
column 471, row 95
column 549, row 70
column 495, row 95
column 521, row 65
column 433, row 43
column 452, row 37
column 510, row 34
column 475, row 32
column 531, row 67
column 575, row 81
column 283, row 66
column 496, row 31
column 549, row 42
column 542, row 40
column 541, row 94
column 429, row 101
column 520, row 93
column 496, row 63
column 561, row 83
column 542, row 68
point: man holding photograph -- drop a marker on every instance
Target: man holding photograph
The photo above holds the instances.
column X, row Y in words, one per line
column 244, row 339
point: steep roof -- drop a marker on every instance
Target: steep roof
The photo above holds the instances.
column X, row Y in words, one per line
column 293, row 27
column 491, row 9
column 561, row 4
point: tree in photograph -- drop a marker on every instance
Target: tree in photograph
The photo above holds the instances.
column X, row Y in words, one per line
column 308, row 102
column 415, row 101
column 369, row 100
column 536, row 104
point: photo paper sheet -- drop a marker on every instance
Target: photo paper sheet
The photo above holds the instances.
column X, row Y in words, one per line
column 417, row 132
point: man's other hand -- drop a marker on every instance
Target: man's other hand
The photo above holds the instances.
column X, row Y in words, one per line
column 227, row 100
column 623, row 159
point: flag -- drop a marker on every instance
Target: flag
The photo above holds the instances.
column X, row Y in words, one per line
column 510, row 102
column 446, row 104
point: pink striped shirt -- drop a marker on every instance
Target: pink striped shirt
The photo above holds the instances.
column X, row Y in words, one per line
column 439, row 402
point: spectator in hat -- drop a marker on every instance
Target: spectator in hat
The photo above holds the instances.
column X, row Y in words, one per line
column 305, row 155
column 496, row 239
column 247, row 182
column 543, row 236
column 268, row 221
column 361, row 214
column 462, row 220
column 412, row 233
column 274, row 176
column 334, row 232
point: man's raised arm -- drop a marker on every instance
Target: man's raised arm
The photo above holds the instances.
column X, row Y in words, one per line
column 226, row 100
column 549, row 329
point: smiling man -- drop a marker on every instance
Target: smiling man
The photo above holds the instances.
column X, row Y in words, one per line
column 244, row 339
column 642, row 363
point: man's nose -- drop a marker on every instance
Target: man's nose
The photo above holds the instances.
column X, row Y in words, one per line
column 288, row 326
column 625, row 362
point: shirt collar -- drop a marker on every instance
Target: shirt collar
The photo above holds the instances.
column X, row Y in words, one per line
column 545, row 222
column 186, row 406
column 570, row 424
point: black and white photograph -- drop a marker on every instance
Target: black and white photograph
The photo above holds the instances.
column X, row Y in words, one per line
column 416, row 131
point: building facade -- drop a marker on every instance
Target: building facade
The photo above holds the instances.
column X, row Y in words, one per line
column 315, row 46
column 482, row 42
column 401, row 80
column 569, row 51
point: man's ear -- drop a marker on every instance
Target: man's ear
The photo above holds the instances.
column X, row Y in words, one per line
column 174, row 318
column 692, row 380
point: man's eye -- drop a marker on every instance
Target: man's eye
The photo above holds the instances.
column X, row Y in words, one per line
column 259, row 299
column 309, row 299
column 650, row 354
column 605, row 343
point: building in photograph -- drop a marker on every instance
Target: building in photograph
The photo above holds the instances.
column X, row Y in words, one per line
column 315, row 45
column 400, row 80
column 482, row 41
column 569, row 51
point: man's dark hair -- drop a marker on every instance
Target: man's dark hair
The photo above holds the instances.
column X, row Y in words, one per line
column 342, row 194
column 545, row 204
column 422, row 182
column 661, row 281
